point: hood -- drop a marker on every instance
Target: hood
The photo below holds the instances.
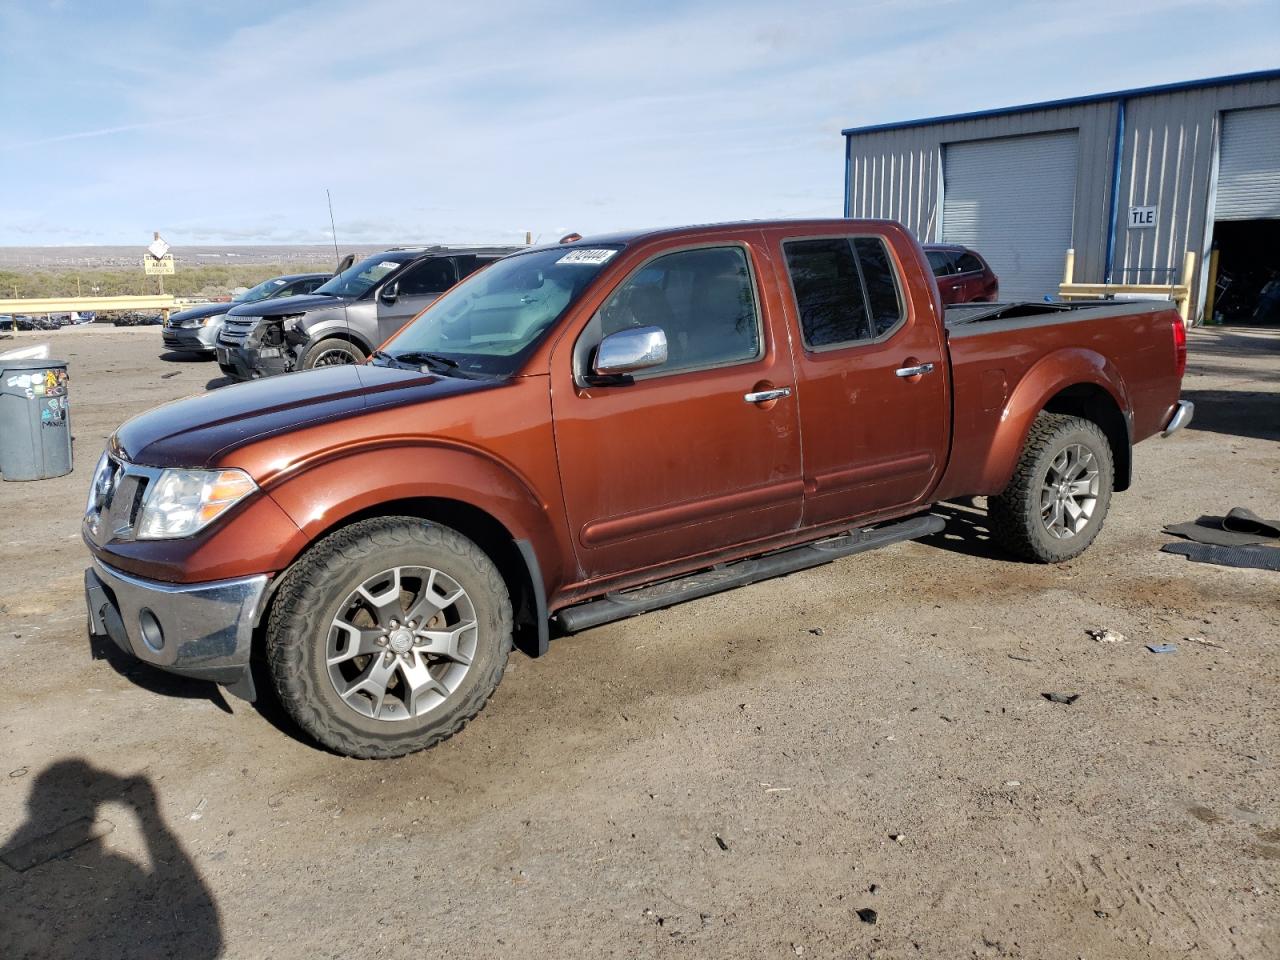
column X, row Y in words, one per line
column 286, row 306
column 206, row 430
column 202, row 311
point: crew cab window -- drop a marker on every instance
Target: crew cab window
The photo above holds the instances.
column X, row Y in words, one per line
column 846, row 289
column 702, row 299
column 427, row 276
column 940, row 262
column 968, row 263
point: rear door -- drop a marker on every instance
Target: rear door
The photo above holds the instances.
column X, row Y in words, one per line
column 412, row 292
column 683, row 460
column 871, row 376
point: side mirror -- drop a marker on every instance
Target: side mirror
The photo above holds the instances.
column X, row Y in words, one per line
column 624, row 352
column 389, row 293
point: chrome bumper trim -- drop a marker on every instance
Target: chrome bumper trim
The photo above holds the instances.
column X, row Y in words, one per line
column 1183, row 411
column 197, row 629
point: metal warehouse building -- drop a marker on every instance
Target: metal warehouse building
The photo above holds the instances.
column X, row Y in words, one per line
column 1131, row 181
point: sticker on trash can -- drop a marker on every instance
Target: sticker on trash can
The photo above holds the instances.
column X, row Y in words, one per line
column 53, row 412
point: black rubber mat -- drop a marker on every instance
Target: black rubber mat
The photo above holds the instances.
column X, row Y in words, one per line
column 1252, row 556
column 1240, row 527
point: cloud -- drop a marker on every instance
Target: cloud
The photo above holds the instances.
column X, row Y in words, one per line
column 465, row 124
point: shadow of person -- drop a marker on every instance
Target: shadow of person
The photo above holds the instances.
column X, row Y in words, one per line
column 67, row 894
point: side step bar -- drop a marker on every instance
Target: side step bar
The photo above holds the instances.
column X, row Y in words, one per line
column 726, row 576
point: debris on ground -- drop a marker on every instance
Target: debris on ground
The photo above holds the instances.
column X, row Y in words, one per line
column 1067, row 698
column 898, row 837
column 720, row 843
column 172, row 373
column 867, row 915
column 1205, row 643
column 1162, row 648
column 198, row 812
column 1014, row 656
column 1107, row 635
column 817, row 631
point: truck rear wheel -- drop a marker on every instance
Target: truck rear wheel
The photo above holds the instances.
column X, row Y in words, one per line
column 1058, row 498
column 388, row 636
column 330, row 352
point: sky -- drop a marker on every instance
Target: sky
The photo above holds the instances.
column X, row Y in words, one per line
column 225, row 121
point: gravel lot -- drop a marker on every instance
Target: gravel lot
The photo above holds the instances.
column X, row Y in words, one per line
column 723, row 779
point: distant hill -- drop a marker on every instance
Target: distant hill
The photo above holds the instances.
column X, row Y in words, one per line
column 113, row 258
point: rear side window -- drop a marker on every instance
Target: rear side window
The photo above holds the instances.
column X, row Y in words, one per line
column 846, row 289
column 702, row 299
column 427, row 276
column 968, row 263
column 939, row 262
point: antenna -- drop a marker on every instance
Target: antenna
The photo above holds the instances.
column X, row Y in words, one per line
column 333, row 229
column 337, row 262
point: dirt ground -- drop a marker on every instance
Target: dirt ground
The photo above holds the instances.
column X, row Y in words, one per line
column 736, row 777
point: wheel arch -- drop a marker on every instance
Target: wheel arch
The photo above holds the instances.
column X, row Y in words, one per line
column 1075, row 381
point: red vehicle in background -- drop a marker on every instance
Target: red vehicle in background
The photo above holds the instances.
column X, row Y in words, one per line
column 962, row 275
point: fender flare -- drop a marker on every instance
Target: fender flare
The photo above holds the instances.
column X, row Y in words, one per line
column 338, row 488
column 1046, row 378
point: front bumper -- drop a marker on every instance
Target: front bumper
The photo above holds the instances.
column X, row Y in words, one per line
column 189, row 339
column 1183, row 411
column 202, row 630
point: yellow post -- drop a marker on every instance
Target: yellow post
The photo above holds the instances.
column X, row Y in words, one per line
column 1213, row 285
column 1068, row 274
column 1188, row 275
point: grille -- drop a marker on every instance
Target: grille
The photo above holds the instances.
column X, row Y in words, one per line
column 236, row 329
column 115, row 502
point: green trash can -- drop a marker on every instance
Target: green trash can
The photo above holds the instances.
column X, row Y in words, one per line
column 35, row 426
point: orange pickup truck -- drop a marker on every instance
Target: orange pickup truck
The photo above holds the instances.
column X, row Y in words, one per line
column 584, row 432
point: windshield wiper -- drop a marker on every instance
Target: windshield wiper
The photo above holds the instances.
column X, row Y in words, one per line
column 417, row 356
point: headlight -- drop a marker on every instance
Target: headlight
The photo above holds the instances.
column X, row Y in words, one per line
column 183, row 502
column 203, row 321
column 290, row 321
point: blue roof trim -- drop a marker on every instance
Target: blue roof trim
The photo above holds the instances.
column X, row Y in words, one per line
column 1226, row 81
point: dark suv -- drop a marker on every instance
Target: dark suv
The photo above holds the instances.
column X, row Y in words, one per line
column 345, row 319
column 963, row 276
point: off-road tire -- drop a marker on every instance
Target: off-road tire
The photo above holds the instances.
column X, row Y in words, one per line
column 308, row 598
column 1015, row 515
column 331, row 345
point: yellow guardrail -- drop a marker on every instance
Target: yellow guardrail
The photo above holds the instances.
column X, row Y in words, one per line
column 1179, row 293
column 164, row 303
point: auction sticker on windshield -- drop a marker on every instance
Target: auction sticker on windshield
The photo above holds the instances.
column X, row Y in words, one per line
column 588, row 257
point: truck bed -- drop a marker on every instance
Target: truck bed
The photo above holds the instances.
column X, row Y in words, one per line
column 1000, row 357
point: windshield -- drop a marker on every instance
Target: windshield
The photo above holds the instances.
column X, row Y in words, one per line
column 261, row 292
column 488, row 323
column 357, row 279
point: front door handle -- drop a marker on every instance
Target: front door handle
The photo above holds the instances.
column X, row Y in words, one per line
column 915, row 371
column 761, row 396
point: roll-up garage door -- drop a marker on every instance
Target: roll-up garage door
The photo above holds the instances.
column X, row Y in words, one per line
column 1249, row 165
column 1013, row 200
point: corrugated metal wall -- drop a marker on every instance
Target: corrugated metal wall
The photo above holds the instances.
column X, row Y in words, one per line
column 898, row 173
column 1168, row 160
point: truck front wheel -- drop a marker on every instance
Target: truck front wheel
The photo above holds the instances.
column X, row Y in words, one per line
column 1055, row 504
column 388, row 636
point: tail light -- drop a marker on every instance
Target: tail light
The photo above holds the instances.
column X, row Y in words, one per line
column 1179, row 347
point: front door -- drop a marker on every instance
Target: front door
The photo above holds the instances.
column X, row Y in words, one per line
column 412, row 292
column 684, row 460
column 872, row 378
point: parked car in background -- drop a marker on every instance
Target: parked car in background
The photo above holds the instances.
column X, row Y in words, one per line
column 584, row 432
column 347, row 317
column 962, row 275
column 196, row 330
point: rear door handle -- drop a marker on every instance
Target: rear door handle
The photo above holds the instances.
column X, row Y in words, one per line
column 760, row 396
column 914, row 371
